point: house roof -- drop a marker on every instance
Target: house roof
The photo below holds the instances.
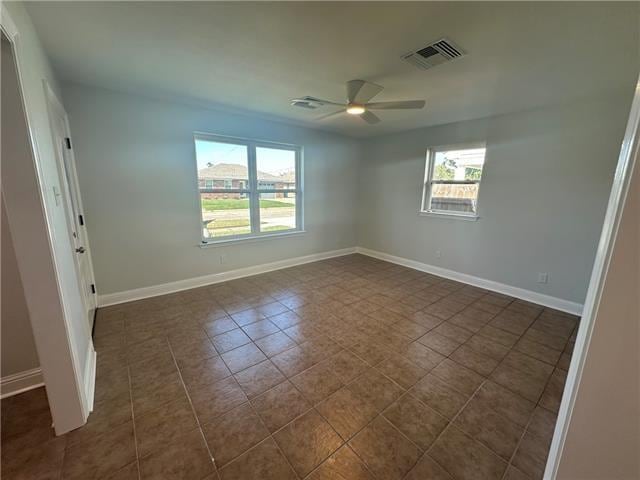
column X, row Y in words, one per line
column 233, row 171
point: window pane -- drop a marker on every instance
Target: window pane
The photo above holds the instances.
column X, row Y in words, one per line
column 221, row 165
column 456, row 198
column 463, row 164
column 277, row 211
column 224, row 214
column 276, row 169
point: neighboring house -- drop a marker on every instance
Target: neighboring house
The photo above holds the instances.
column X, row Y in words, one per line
column 230, row 176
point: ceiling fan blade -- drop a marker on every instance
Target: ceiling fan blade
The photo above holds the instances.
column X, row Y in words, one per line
column 361, row 91
column 402, row 105
column 370, row 117
column 323, row 102
column 329, row 115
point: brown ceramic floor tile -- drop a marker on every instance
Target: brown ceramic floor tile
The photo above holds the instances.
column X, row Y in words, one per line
column 423, row 356
column 344, row 464
column 204, row 372
column 347, row 412
column 465, row 458
column 317, row 383
column 230, row 340
column 473, row 360
column 159, row 427
column 417, row 421
column 247, row 317
column 234, row 433
column 219, row 326
column 371, row 352
column 293, row 361
column 189, row 353
column 106, row 416
column 488, row 427
column 186, row 458
column 439, row 395
column 461, row 378
column 100, row 455
column 264, row 462
column 280, row 405
column 428, row 469
column 44, row 462
column 347, row 366
column 260, row 329
column 349, row 314
column 384, row 450
column 401, row 370
column 285, row 319
column 531, row 455
column 441, row 344
column 505, row 403
column 376, row 388
column 213, row 400
column 519, row 382
column 307, row 442
column 538, row 351
column 276, row 343
column 243, row 357
column 552, row 395
column 259, row 378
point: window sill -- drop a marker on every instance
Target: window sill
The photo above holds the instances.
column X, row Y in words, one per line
column 456, row 216
column 250, row 239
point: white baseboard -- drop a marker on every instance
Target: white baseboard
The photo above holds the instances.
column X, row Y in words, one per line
column 21, row 382
column 172, row 287
column 528, row 295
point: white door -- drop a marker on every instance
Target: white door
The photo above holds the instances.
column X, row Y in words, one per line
column 70, row 197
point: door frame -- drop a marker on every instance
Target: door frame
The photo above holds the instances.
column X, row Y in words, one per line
column 627, row 159
column 55, row 105
column 70, row 392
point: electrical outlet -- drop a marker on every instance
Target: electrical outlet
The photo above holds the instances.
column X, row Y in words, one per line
column 438, row 254
column 222, row 259
column 543, row 278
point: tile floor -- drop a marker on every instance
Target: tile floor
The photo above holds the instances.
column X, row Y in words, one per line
column 349, row 368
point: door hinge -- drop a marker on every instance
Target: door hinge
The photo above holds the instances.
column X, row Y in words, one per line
column 67, row 142
column 93, row 288
column 81, row 219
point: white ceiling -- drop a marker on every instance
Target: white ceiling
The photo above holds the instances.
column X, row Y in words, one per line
column 257, row 56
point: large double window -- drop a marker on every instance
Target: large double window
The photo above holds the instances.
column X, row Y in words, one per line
column 247, row 188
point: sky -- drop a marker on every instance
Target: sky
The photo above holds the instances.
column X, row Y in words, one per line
column 269, row 160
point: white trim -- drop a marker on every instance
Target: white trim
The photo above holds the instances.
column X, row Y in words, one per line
column 163, row 289
column 21, row 382
column 250, row 239
column 629, row 154
column 528, row 295
column 89, row 380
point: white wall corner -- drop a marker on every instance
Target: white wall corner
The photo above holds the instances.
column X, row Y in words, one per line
column 21, row 382
column 528, row 295
column 177, row 286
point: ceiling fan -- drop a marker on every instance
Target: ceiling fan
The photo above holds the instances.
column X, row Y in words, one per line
column 359, row 92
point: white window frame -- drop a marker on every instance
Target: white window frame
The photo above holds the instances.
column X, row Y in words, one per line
column 252, row 191
column 429, row 181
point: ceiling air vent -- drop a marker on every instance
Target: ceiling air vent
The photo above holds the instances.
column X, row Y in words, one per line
column 434, row 54
column 310, row 103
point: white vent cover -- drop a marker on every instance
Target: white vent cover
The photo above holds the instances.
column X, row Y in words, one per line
column 434, row 54
column 310, row 103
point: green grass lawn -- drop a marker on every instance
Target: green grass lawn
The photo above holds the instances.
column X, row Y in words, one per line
column 239, row 203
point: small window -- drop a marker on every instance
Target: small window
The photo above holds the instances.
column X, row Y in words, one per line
column 247, row 188
column 452, row 180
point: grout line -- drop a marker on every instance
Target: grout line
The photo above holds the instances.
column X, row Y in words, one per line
column 193, row 410
column 133, row 421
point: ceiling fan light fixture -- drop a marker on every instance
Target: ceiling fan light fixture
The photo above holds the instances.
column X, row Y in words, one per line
column 355, row 109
